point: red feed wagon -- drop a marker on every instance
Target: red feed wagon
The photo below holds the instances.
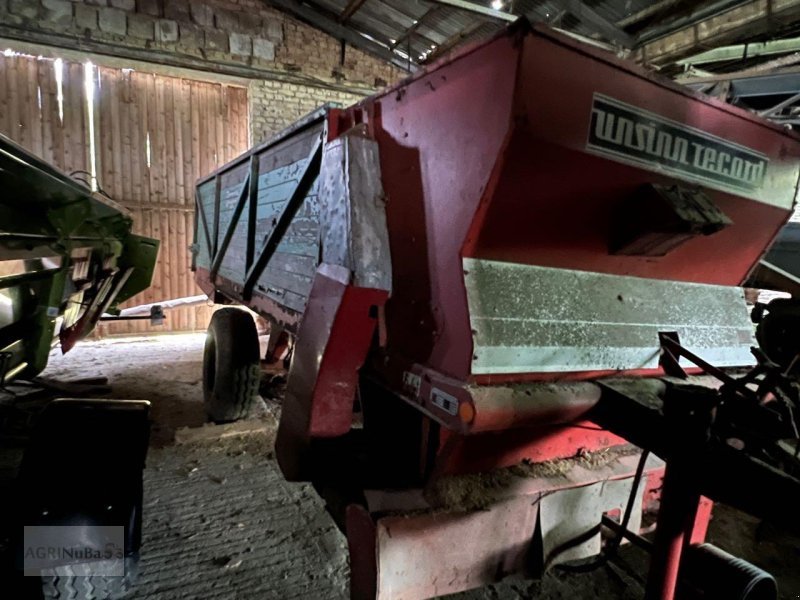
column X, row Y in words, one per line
column 493, row 277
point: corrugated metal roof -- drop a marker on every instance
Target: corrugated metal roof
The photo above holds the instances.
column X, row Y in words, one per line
column 415, row 31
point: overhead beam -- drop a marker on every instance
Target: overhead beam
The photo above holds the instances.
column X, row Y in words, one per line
column 610, row 31
column 684, row 19
column 742, row 52
column 453, row 41
column 646, row 13
column 432, row 10
column 313, row 17
column 756, row 17
column 351, row 9
column 478, row 9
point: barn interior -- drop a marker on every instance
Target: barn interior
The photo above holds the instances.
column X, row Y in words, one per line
column 399, row 299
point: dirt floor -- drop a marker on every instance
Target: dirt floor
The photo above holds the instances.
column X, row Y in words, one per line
column 220, row 522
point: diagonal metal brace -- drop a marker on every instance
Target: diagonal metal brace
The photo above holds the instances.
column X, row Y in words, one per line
column 271, row 241
column 244, row 195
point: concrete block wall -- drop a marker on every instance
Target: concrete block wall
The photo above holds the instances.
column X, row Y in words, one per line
column 248, row 33
column 274, row 105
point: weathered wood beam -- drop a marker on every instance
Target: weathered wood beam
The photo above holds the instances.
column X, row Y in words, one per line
column 453, row 41
column 746, row 21
column 646, row 13
column 351, row 9
column 610, row 31
column 432, row 10
column 34, row 41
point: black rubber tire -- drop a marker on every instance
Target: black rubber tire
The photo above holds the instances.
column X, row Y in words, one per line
column 231, row 371
column 67, row 583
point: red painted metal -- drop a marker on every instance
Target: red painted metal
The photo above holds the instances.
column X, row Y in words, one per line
column 676, row 522
column 484, row 156
column 515, row 112
column 332, row 343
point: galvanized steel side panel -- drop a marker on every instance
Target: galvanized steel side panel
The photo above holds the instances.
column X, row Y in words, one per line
column 531, row 319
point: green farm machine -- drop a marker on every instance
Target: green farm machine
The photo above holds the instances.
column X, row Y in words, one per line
column 67, row 256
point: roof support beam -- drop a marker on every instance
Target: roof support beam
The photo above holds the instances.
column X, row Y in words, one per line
column 432, row 10
column 743, row 51
column 598, row 22
column 351, row 9
column 646, row 13
column 452, row 41
column 306, row 13
column 750, row 19
column 498, row 15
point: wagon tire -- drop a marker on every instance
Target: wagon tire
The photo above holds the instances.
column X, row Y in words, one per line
column 71, row 582
column 231, row 371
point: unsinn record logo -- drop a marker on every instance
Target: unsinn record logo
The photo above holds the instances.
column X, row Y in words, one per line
column 634, row 135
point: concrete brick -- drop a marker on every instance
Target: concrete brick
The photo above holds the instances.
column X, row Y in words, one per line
column 191, row 36
column 166, row 30
column 141, row 27
column 85, row 17
column 273, row 30
column 241, row 45
column 177, row 10
column 263, row 49
column 226, row 20
column 97, row 2
column 23, row 8
column 149, row 7
column 113, row 20
column 216, row 40
column 129, row 5
column 58, row 13
column 202, row 14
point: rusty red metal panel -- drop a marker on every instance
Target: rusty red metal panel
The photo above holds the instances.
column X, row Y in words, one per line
column 332, row 343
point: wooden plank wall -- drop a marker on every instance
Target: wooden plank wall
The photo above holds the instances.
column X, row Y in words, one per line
column 191, row 127
column 29, row 110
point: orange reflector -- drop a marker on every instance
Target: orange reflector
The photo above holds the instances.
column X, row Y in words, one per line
column 466, row 411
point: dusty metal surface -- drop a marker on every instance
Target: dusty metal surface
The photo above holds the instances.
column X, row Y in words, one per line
column 532, row 319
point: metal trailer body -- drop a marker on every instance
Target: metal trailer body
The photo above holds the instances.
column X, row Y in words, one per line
column 464, row 259
column 67, row 255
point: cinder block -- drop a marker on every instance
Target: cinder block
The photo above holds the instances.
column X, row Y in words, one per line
column 113, row 20
column 85, row 17
column 216, row 40
column 166, row 30
column 263, row 49
column 191, row 36
column 129, row 5
column 97, row 2
column 149, row 7
column 177, row 10
column 273, row 30
column 141, row 27
column 58, row 13
column 226, row 20
column 241, row 45
column 202, row 14
column 23, row 8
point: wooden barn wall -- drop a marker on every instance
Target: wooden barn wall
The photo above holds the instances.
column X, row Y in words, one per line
column 30, row 115
column 158, row 135
column 154, row 137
